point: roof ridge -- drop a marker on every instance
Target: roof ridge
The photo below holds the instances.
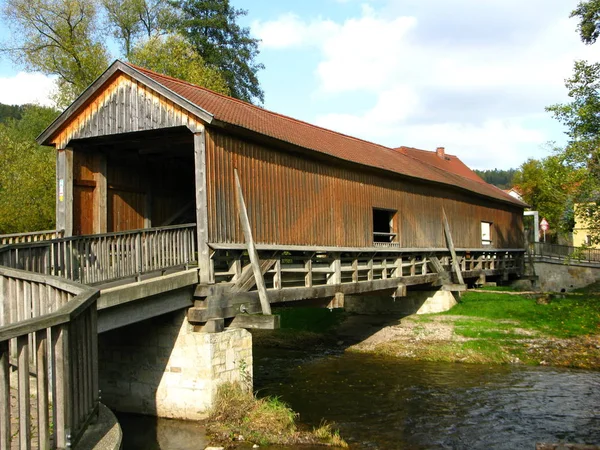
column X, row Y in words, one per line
column 482, row 182
column 247, row 104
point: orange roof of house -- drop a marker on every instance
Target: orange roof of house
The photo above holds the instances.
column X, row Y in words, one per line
column 227, row 110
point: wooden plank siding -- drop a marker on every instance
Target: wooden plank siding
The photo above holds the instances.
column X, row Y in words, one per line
column 124, row 105
column 294, row 200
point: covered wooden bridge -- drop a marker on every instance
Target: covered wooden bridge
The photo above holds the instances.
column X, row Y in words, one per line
column 149, row 202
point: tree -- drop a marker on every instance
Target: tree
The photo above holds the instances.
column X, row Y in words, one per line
column 27, row 178
column 581, row 117
column 497, row 177
column 210, row 26
column 57, row 37
column 550, row 187
column 588, row 13
column 174, row 56
column 131, row 20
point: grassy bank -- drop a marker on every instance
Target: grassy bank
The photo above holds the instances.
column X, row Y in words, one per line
column 494, row 327
column 239, row 417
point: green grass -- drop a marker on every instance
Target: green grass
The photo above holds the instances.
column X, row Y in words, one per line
column 487, row 329
column 237, row 412
column 563, row 317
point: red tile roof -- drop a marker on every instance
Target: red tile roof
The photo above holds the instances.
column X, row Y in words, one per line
column 408, row 162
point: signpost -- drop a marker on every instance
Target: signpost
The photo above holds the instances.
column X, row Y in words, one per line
column 545, row 226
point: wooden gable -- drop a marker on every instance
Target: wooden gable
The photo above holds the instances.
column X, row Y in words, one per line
column 123, row 100
column 125, row 105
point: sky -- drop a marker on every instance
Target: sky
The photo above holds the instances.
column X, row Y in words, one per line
column 473, row 76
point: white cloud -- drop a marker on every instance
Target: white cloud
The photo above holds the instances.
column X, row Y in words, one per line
column 26, row 88
column 289, row 31
column 469, row 75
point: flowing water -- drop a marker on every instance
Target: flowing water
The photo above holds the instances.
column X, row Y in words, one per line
column 386, row 403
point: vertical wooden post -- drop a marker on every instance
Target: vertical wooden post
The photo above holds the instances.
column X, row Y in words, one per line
column 23, row 400
column 206, row 274
column 5, row 434
column 42, row 389
column 308, row 277
column 63, row 408
column 101, row 195
column 64, row 191
column 252, row 253
column 451, row 247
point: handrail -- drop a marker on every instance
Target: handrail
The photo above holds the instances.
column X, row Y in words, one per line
column 100, row 258
column 50, row 327
column 567, row 252
column 32, row 236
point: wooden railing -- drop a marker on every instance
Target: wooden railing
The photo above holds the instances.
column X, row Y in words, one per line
column 565, row 252
column 100, row 258
column 34, row 236
column 51, row 397
column 302, row 266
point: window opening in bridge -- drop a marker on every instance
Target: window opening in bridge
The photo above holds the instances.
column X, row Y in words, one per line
column 383, row 225
column 486, row 233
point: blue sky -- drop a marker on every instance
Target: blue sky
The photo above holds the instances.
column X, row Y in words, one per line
column 473, row 76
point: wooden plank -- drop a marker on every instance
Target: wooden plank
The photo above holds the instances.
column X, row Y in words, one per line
column 452, row 249
column 42, row 390
column 23, row 392
column 247, row 279
column 5, row 434
column 256, row 321
column 62, row 393
column 252, row 253
column 204, row 265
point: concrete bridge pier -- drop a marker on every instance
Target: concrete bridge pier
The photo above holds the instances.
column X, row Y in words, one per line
column 162, row 367
column 432, row 300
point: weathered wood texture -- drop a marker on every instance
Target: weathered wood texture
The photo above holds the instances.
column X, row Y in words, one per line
column 295, row 200
column 123, row 106
column 123, row 190
column 51, row 327
column 97, row 259
column 34, row 236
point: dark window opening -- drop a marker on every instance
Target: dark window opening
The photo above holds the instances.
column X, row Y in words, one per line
column 383, row 225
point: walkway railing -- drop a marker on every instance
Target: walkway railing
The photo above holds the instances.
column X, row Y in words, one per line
column 565, row 252
column 50, row 326
column 100, row 258
column 34, row 236
column 305, row 266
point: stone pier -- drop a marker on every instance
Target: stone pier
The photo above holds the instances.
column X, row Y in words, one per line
column 415, row 302
column 162, row 367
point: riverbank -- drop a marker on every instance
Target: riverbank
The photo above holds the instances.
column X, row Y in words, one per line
column 486, row 327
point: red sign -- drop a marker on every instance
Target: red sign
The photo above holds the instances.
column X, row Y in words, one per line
column 544, row 225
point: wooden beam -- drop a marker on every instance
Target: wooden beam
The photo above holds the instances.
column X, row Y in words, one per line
column 256, row 321
column 64, row 191
column 204, row 263
column 452, row 249
column 252, row 253
column 101, row 194
column 247, row 281
column 177, row 213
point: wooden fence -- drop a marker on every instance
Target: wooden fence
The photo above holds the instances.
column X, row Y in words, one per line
column 46, row 401
column 565, row 252
column 33, row 236
column 304, row 266
column 100, row 258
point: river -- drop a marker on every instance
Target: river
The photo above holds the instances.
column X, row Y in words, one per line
column 386, row 403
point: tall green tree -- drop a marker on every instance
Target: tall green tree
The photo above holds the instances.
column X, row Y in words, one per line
column 27, row 178
column 211, row 27
column 172, row 55
column 588, row 13
column 550, row 186
column 57, row 37
column 135, row 20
